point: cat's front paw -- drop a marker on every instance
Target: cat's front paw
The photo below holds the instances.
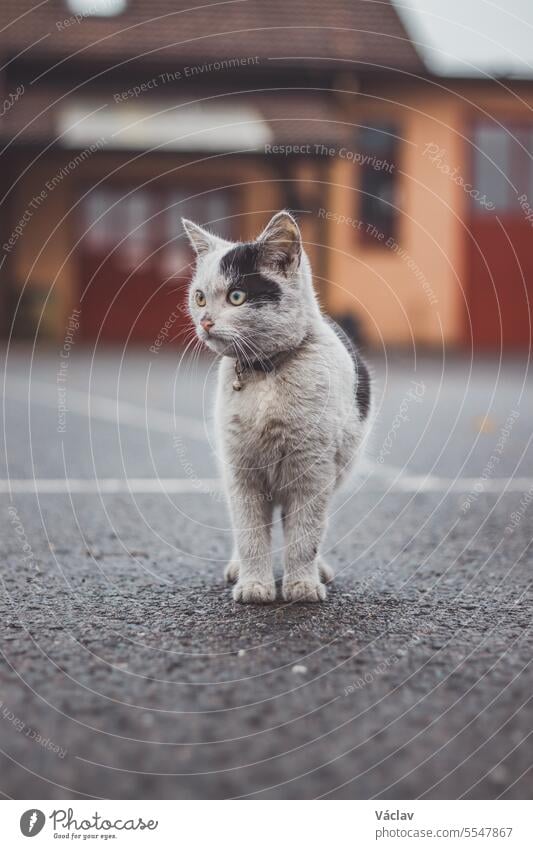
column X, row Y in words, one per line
column 310, row 590
column 231, row 572
column 254, row 592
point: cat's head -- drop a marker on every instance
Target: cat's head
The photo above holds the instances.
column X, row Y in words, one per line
column 252, row 299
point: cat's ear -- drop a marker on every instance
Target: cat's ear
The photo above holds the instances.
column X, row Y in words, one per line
column 281, row 244
column 201, row 240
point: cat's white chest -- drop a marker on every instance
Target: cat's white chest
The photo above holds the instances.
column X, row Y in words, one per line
column 255, row 421
column 257, row 407
column 257, row 400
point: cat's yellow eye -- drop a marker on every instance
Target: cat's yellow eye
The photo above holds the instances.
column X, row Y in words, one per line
column 199, row 297
column 237, row 297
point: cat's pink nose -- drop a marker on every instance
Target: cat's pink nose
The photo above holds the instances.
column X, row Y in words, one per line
column 207, row 324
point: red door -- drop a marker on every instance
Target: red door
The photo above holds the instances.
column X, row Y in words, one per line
column 500, row 267
column 136, row 262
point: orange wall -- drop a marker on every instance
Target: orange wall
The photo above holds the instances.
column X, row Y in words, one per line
column 37, row 261
column 409, row 290
column 420, row 295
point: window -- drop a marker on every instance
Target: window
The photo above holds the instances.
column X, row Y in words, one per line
column 492, row 167
column 378, row 150
column 142, row 228
column 133, row 212
column 209, row 210
column 523, row 171
column 177, row 256
column 97, row 8
column 118, row 221
column 502, row 168
column 96, row 229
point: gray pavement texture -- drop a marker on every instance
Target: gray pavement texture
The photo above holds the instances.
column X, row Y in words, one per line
column 127, row 671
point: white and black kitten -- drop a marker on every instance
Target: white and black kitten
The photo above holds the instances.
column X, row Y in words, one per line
column 292, row 404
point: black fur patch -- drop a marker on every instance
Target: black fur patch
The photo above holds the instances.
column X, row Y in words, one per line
column 241, row 266
column 362, row 393
column 363, row 383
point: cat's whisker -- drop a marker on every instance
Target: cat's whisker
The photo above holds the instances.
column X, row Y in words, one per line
column 242, row 355
column 251, row 354
column 189, row 355
column 184, row 352
column 258, row 356
column 197, row 353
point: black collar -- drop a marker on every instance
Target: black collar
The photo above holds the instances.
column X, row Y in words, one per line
column 266, row 366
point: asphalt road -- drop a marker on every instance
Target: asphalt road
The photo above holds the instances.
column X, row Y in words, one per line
column 128, row 671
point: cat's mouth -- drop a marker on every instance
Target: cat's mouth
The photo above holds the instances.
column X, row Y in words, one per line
column 216, row 341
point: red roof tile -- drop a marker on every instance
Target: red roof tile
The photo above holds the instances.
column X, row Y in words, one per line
column 179, row 31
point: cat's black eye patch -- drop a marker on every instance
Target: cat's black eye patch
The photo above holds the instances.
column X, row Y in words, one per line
column 240, row 266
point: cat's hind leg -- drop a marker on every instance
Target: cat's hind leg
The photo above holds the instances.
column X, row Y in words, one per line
column 325, row 571
column 231, row 572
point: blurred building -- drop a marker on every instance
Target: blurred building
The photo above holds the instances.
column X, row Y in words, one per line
column 413, row 192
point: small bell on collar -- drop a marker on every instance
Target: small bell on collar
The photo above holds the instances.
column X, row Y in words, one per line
column 237, row 383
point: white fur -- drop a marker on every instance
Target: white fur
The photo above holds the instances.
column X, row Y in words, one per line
column 290, row 435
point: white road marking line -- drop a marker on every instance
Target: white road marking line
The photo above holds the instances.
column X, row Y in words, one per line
column 155, row 486
column 429, row 483
column 135, row 415
column 107, row 409
column 191, row 486
column 126, row 413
